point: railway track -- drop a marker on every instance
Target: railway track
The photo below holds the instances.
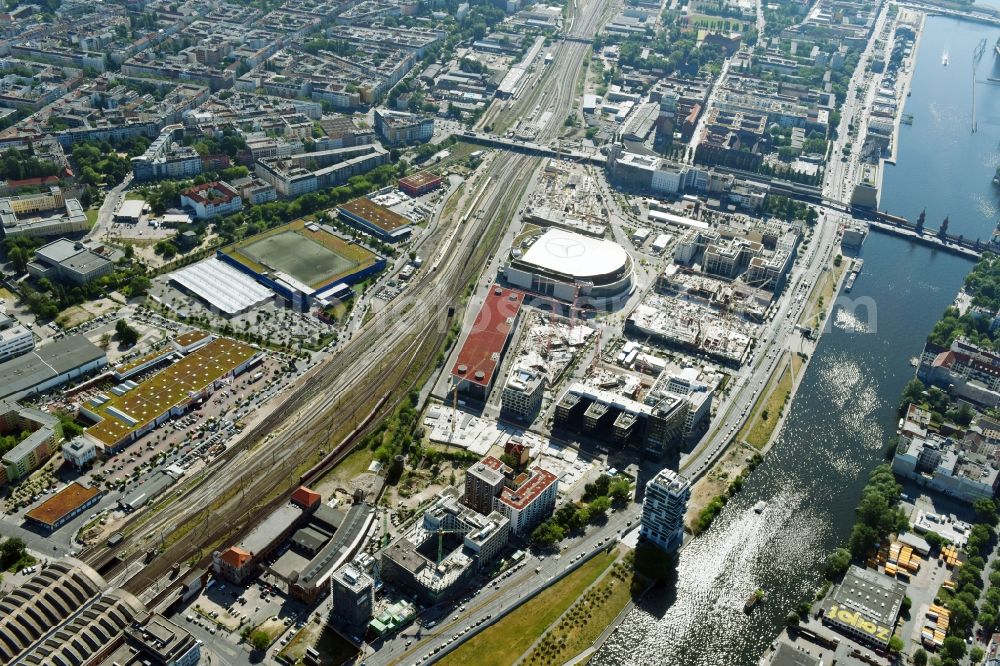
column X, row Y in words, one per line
column 366, row 380
column 233, row 491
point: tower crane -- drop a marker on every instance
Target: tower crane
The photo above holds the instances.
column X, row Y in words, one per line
column 440, row 532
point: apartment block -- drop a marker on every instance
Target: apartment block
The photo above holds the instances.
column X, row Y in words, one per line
column 400, row 128
column 663, row 508
column 15, row 339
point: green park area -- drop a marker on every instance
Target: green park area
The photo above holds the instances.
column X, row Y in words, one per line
column 504, row 642
column 767, row 411
column 585, row 620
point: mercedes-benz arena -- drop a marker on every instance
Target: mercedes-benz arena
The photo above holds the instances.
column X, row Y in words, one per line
column 571, row 267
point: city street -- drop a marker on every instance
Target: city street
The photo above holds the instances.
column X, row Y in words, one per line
column 491, row 603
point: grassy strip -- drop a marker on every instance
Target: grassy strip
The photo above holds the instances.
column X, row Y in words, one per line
column 822, row 293
column 767, row 412
column 718, row 503
column 505, row 641
column 588, row 617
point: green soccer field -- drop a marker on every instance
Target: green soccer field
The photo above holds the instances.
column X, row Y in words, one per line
column 305, row 260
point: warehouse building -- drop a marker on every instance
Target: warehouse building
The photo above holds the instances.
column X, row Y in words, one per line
column 348, row 534
column 64, row 506
column 419, row 183
column 486, row 343
column 50, row 365
column 31, row 452
column 63, row 613
column 133, row 409
column 241, row 562
column 572, row 268
column 375, row 219
column 68, row 261
column 224, row 288
column 865, row 606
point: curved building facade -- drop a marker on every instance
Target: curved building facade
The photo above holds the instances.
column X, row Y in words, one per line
column 66, row 593
column 572, row 267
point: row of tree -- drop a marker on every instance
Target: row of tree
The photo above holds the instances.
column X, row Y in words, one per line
column 573, row 517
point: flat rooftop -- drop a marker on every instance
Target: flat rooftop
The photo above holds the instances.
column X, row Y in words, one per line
column 480, row 354
column 419, row 179
column 122, row 368
column 379, row 216
column 191, row 337
column 168, row 388
column 130, row 208
column 264, row 534
column 868, row 595
column 23, row 373
column 526, row 494
column 62, row 503
column 337, row 548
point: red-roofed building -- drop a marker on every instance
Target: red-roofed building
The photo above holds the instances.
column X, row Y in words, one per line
column 306, row 498
column 486, row 343
column 419, row 183
column 526, row 500
column 966, row 370
column 212, row 200
column 529, row 500
column 516, row 450
column 234, row 563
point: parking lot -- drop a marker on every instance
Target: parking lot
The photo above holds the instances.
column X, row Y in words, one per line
column 229, row 612
column 271, row 322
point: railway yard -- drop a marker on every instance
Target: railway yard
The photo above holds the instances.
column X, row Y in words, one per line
column 365, row 423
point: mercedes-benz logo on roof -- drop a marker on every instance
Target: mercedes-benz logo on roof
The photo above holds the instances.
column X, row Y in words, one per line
column 565, row 248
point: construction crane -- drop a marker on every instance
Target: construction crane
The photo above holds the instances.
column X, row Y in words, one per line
column 440, row 535
column 977, row 55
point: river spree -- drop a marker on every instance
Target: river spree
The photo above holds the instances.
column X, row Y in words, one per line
column 844, row 413
column 942, row 165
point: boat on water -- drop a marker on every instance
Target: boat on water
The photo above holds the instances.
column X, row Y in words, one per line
column 944, row 58
column 858, row 265
column 760, row 506
column 850, row 281
column 755, row 598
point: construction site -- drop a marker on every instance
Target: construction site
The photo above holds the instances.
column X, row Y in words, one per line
column 546, row 349
column 566, row 196
column 693, row 327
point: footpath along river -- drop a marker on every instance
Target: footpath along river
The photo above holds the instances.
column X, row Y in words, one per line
column 844, row 412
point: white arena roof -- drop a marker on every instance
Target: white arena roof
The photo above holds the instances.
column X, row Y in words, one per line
column 574, row 254
column 222, row 286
